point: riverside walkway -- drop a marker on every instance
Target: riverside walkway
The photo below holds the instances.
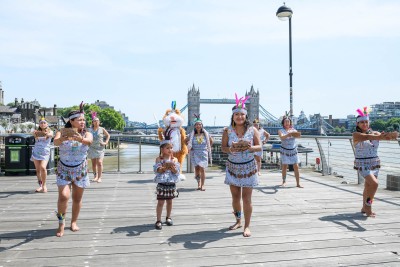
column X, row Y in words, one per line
column 320, row 225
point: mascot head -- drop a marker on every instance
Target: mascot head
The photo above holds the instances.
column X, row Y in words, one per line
column 173, row 117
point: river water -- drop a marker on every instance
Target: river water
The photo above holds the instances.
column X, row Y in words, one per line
column 338, row 153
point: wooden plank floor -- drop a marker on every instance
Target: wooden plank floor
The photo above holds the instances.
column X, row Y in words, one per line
column 319, row 225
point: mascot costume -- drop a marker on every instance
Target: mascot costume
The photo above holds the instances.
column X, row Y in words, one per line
column 173, row 122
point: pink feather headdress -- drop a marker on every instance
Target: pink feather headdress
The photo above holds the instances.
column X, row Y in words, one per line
column 363, row 115
column 240, row 104
column 94, row 116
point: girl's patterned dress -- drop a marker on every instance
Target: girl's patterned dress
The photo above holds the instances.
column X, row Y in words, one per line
column 72, row 166
column 366, row 158
column 262, row 138
column 96, row 149
column 289, row 149
column 41, row 150
column 166, row 182
column 199, row 153
column 241, row 168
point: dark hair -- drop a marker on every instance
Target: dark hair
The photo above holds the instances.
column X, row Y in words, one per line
column 246, row 123
column 358, row 129
column 286, row 118
column 68, row 124
column 201, row 130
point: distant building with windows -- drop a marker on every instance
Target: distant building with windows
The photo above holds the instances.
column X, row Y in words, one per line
column 104, row 104
column 385, row 110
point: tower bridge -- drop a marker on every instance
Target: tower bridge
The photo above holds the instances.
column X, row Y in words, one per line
column 254, row 111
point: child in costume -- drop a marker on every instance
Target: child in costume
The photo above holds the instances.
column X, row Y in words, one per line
column 167, row 170
column 41, row 153
column 173, row 122
column 367, row 162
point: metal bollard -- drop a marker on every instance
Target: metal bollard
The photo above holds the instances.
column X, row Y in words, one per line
column 140, row 155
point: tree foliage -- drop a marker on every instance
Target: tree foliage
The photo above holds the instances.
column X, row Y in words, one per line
column 109, row 118
column 392, row 124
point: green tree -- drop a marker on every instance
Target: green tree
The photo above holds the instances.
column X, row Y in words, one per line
column 111, row 119
column 88, row 112
column 378, row 125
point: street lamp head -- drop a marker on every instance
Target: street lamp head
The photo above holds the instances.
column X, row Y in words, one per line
column 284, row 12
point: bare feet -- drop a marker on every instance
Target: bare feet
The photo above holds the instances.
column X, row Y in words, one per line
column 368, row 212
column 60, row 230
column 98, row 180
column 74, row 227
column 259, row 173
column 283, row 184
column 39, row 189
column 246, row 232
column 299, row 186
column 237, row 225
column 202, row 188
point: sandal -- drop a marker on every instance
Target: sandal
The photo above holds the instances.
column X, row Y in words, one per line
column 169, row 221
column 158, row 225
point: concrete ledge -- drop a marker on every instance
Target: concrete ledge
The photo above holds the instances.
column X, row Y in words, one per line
column 393, row 182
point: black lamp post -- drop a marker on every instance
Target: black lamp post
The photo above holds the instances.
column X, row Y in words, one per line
column 285, row 13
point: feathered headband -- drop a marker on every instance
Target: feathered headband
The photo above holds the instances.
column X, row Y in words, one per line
column 94, row 116
column 240, row 104
column 363, row 115
column 173, row 107
column 197, row 118
column 76, row 115
column 42, row 118
column 286, row 116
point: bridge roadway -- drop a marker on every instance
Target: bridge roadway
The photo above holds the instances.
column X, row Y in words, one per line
column 320, row 225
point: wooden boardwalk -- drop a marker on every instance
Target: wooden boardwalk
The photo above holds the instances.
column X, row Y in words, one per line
column 319, row 225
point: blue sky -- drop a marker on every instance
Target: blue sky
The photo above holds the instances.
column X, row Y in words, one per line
column 140, row 55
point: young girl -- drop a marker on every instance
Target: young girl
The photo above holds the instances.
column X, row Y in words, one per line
column 167, row 169
column 41, row 153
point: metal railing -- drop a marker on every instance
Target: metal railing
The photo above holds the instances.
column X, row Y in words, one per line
column 334, row 153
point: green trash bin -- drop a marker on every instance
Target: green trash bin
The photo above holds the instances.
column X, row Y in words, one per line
column 16, row 155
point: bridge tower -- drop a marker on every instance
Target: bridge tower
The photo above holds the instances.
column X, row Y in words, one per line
column 253, row 104
column 193, row 105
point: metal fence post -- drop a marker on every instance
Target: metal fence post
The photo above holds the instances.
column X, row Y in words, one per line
column 118, row 154
column 140, row 155
column 325, row 170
